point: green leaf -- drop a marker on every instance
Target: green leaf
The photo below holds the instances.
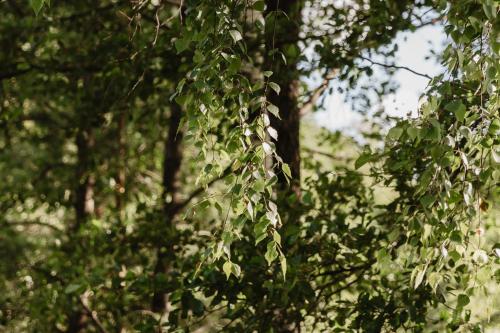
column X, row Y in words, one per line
column 234, row 64
column 268, row 149
column 72, row 288
column 434, row 279
column 271, row 253
column 250, row 209
column 277, row 237
column 259, row 6
column 274, row 110
column 394, row 133
column 273, row 207
column 455, row 255
column 476, row 24
column 272, row 133
column 275, row 87
column 235, row 269
column 283, row 266
column 462, row 300
column 412, row 132
column 362, row 160
column 465, row 131
column 259, row 185
column 458, row 108
column 489, row 10
column 435, row 132
column 261, row 228
column 236, row 35
column 181, row 44
column 260, row 238
column 198, row 57
column 427, row 200
column 227, row 268
column 286, row 170
column 494, row 128
column 419, row 277
column 496, row 156
column 468, row 193
column 491, row 73
column 37, row 5
column 456, row 236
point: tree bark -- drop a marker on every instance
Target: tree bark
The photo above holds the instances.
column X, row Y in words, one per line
column 170, row 199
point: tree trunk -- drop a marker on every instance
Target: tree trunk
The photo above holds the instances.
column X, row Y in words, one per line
column 283, row 21
column 84, row 194
column 170, row 198
column 84, row 206
column 121, row 163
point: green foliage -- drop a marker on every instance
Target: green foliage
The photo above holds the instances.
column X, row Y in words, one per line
column 145, row 184
column 37, row 5
column 445, row 178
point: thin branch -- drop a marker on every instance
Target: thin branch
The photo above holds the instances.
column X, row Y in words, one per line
column 48, row 68
column 31, row 223
column 201, row 189
column 344, row 287
column 181, row 6
column 157, row 19
column 333, row 157
column 93, row 314
column 396, row 67
column 14, row 73
column 317, row 93
column 431, row 22
column 344, row 270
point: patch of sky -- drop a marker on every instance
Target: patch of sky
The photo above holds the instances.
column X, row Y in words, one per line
column 415, row 51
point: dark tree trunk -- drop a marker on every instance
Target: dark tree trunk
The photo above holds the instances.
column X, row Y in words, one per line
column 283, row 22
column 77, row 322
column 122, row 152
column 84, row 206
column 170, row 198
column 84, row 194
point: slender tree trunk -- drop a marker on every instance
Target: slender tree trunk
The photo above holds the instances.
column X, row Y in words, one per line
column 170, row 198
column 84, row 206
column 283, row 22
column 120, row 175
column 84, row 194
